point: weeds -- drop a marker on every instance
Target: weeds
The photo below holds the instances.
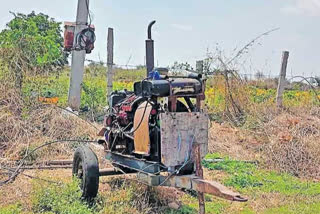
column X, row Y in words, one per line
column 58, row 199
column 218, row 101
column 296, row 208
column 11, row 209
column 248, row 177
column 132, row 197
column 182, row 210
column 291, row 145
column 125, row 197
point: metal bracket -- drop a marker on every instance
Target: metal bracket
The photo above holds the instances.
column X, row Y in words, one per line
column 192, row 182
column 133, row 163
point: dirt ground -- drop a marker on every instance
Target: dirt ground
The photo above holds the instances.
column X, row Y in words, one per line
column 223, row 139
column 233, row 142
column 239, row 144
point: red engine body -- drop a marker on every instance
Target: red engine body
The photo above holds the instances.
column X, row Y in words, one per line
column 124, row 111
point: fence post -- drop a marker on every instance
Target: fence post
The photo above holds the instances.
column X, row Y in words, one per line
column 110, row 63
column 199, row 67
column 282, row 78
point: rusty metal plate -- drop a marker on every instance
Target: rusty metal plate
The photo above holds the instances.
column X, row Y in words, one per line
column 216, row 189
column 141, row 135
column 179, row 131
column 192, row 182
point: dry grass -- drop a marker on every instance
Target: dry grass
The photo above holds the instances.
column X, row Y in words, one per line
column 233, row 142
column 294, row 143
column 21, row 189
column 116, row 194
column 287, row 141
column 23, row 127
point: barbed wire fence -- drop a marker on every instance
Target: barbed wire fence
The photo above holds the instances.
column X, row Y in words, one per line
column 102, row 63
column 258, row 76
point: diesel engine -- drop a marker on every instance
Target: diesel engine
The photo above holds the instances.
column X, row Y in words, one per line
column 134, row 116
column 154, row 127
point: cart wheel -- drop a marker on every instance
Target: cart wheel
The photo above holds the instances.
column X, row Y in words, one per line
column 86, row 168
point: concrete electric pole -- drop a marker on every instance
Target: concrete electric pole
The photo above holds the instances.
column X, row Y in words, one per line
column 78, row 57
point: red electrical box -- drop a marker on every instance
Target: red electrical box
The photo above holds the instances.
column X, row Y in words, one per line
column 69, row 29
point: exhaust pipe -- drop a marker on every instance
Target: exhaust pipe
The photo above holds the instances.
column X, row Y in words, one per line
column 150, row 50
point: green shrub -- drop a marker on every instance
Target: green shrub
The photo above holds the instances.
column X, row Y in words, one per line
column 228, row 165
column 11, row 209
column 38, row 40
column 131, row 75
column 131, row 197
column 65, row 199
column 183, row 210
column 241, row 172
column 243, row 180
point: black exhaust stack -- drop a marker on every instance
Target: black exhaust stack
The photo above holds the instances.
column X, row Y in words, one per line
column 150, row 50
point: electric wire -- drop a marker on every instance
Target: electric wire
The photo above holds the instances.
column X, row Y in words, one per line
column 34, row 177
column 89, row 12
column 85, row 39
column 21, row 162
column 144, row 112
column 175, row 172
column 183, row 165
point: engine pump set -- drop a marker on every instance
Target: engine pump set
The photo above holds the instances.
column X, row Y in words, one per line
column 133, row 123
column 159, row 131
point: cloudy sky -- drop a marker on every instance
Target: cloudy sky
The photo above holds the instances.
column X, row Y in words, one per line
column 186, row 29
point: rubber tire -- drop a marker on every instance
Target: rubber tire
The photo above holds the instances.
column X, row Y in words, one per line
column 90, row 171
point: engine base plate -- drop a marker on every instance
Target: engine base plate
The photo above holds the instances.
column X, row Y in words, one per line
column 133, row 163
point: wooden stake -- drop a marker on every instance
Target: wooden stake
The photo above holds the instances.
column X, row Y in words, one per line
column 199, row 173
column 199, row 67
column 110, row 63
column 282, row 78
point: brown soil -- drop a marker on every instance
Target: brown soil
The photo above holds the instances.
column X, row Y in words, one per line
column 236, row 143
